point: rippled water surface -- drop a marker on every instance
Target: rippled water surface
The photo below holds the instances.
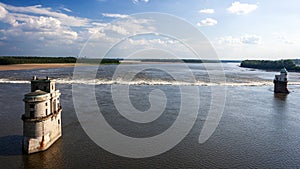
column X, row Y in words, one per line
column 258, row 129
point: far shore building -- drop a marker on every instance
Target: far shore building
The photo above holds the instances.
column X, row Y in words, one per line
column 280, row 82
column 42, row 118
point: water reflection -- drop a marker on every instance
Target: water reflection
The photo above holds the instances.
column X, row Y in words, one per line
column 279, row 112
column 46, row 159
column 280, row 96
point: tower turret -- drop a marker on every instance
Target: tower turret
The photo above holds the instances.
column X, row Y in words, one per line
column 42, row 118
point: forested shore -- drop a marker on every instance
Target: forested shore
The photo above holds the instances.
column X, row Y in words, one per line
column 9, row 60
column 271, row 65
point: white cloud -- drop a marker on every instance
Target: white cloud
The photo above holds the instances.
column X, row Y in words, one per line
column 3, row 12
column 151, row 42
column 245, row 39
column 168, row 47
column 283, row 38
column 137, row 42
column 114, row 32
column 40, row 30
column 112, row 15
column 241, row 8
column 118, row 29
column 138, row 1
column 37, row 27
column 39, row 10
column 67, row 9
column 229, row 40
column 40, row 23
column 207, row 11
column 207, row 22
column 251, row 39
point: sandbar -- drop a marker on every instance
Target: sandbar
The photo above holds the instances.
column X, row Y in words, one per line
column 35, row 66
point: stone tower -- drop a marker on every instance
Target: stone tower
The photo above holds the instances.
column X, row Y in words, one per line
column 280, row 82
column 42, row 118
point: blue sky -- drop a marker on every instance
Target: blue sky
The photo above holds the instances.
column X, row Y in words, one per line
column 236, row 29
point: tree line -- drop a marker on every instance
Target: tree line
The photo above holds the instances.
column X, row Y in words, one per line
column 271, row 65
column 9, row 60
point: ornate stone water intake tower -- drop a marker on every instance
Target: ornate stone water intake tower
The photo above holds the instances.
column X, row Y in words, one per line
column 42, row 118
column 280, row 82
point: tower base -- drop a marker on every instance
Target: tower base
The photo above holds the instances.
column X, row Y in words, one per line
column 40, row 133
column 34, row 145
column 280, row 87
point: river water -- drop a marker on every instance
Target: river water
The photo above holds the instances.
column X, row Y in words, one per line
column 258, row 129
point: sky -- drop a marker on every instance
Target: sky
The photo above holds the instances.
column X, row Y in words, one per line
column 236, row 29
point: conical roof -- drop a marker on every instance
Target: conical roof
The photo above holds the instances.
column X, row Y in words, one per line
column 283, row 70
column 36, row 93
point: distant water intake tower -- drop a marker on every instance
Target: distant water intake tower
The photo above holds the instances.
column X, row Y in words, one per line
column 42, row 118
column 280, row 82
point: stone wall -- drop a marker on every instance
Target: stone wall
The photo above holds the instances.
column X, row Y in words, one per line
column 280, row 87
column 39, row 136
column 40, row 109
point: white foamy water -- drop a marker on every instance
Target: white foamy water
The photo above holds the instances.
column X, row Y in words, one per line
column 13, row 81
column 151, row 82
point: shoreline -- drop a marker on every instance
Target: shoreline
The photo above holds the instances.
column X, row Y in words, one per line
column 32, row 66
column 54, row 65
column 35, row 66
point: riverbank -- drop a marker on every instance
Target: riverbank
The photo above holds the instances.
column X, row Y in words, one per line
column 35, row 66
